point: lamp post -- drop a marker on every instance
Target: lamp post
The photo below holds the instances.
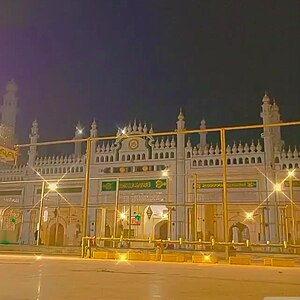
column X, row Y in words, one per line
column 291, row 174
column 225, row 194
column 52, row 186
column 38, row 236
column 195, row 205
column 116, row 209
column 277, row 189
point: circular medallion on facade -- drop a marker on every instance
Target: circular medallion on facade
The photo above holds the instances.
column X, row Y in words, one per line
column 145, row 168
column 133, row 144
column 122, row 170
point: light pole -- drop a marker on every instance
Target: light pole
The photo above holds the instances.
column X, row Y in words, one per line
column 277, row 189
column 87, row 187
column 291, row 174
column 195, row 205
column 38, row 236
column 51, row 187
column 225, row 194
column 116, row 208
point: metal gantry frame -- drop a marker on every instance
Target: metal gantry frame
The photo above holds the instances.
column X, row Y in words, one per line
column 221, row 130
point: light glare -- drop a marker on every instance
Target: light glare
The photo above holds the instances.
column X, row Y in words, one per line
column 52, row 186
column 277, row 187
column 123, row 216
column 249, row 215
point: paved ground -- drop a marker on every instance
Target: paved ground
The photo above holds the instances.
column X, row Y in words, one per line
column 55, row 278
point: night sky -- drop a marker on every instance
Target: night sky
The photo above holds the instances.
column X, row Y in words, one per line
column 120, row 60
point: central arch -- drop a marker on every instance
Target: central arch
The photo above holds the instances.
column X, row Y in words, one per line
column 56, row 235
column 161, row 230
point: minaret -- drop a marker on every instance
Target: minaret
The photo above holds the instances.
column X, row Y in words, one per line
column 78, row 136
column 34, row 136
column 9, row 110
column 276, row 131
column 266, row 115
column 94, row 134
column 180, row 179
column 203, row 134
column 272, row 225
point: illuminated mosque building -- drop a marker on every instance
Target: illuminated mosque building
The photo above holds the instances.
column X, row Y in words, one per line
column 167, row 187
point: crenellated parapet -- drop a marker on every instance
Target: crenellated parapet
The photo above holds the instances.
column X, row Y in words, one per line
column 60, row 164
column 164, row 148
column 13, row 173
column 287, row 158
column 105, row 152
column 240, row 154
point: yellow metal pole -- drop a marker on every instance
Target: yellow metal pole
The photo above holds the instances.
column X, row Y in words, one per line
column 40, row 215
column 225, row 194
column 87, row 188
column 292, row 210
column 116, row 208
column 195, row 205
column 169, row 207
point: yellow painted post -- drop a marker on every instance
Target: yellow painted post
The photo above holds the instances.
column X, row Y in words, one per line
column 225, row 194
column 40, row 214
column 292, row 210
column 169, row 207
column 116, row 210
column 195, row 205
column 87, row 188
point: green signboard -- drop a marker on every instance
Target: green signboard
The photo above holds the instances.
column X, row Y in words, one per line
column 153, row 184
column 62, row 190
column 233, row 184
column 11, row 193
column 296, row 183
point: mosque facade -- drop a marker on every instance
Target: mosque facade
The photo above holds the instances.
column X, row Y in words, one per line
column 160, row 187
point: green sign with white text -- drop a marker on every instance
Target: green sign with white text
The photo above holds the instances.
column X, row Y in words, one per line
column 233, row 184
column 295, row 183
column 153, row 184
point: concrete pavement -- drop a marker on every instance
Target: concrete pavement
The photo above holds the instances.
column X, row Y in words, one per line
column 54, row 278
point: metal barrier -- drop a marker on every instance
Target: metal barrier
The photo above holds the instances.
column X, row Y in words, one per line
column 87, row 244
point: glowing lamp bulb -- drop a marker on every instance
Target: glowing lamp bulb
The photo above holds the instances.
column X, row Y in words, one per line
column 249, row 215
column 52, row 186
column 122, row 216
column 277, row 187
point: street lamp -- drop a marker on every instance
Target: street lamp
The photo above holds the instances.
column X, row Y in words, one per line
column 277, row 187
column 249, row 215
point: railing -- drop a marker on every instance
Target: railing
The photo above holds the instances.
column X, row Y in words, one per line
column 87, row 243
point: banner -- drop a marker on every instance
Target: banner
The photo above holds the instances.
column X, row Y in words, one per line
column 233, row 184
column 295, row 183
column 152, row 184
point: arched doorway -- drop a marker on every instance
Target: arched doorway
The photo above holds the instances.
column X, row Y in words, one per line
column 239, row 233
column 10, row 225
column 56, row 235
column 107, row 233
column 161, row 230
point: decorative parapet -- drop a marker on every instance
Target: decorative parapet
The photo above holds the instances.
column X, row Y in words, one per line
column 13, row 173
column 60, row 164
column 164, row 148
column 236, row 155
column 287, row 159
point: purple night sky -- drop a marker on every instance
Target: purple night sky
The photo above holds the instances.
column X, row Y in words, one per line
column 120, row 60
